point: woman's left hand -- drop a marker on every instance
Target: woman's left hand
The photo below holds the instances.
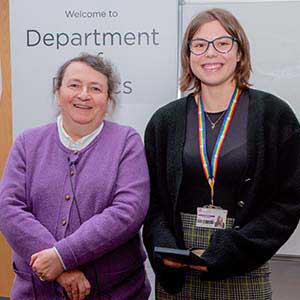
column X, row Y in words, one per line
column 199, row 268
column 198, row 252
column 46, row 264
column 75, row 284
column 173, row 263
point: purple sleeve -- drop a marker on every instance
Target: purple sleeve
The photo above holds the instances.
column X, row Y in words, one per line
column 119, row 222
column 25, row 234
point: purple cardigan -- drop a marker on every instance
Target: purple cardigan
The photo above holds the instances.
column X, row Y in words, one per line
column 97, row 232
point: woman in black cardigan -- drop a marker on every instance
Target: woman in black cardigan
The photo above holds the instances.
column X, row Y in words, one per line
column 224, row 151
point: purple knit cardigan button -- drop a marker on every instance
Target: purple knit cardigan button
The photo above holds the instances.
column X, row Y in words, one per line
column 63, row 222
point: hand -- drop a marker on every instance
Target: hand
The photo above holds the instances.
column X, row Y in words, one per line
column 173, row 263
column 198, row 252
column 199, row 268
column 46, row 264
column 75, row 284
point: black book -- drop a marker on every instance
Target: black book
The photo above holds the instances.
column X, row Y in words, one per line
column 188, row 256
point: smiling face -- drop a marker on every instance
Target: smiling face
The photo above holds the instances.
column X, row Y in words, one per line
column 213, row 68
column 82, row 99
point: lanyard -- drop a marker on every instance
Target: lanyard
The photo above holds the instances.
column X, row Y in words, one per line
column 210, row 168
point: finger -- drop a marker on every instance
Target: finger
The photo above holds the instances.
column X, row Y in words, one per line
column 33, row 259
column 37, row 267
column 69, row 295
column 84, row 288
column 198, row 252
column 87, row 285
column 68, row 289
column 40, row 275
column 75, row 295
column 173, row 264
column 75, row 292
column 81, row 290
column 199, row 268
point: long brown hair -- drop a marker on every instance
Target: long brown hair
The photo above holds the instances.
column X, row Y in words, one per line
column 188, row 81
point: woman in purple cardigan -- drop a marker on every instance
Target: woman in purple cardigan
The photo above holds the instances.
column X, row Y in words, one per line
column 74, row 195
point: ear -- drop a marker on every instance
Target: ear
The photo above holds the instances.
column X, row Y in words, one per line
column 57, row 96
column 238, row 56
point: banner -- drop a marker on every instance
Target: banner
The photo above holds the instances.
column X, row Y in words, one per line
column 139, row 37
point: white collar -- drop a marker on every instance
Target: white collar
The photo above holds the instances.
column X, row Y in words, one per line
column 78, row 145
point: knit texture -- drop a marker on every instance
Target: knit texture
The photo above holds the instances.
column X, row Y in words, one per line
column 108, row 179
column 269, row 190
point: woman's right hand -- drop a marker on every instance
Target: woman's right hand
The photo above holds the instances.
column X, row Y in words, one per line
column 75, row 284
column 173, row 263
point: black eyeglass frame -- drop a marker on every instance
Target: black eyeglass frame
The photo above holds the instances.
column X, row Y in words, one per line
column 212, row 42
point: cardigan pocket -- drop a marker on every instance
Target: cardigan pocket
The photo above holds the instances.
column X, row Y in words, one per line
column 119, row 265
column 46, row 290
column 28, row 286
column 23, row 287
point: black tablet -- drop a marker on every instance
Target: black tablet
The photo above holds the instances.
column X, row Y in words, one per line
column 188, row 257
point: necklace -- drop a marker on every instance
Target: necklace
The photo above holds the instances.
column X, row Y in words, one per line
column 213, row 124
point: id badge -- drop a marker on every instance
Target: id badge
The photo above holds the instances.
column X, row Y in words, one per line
column 211, row 217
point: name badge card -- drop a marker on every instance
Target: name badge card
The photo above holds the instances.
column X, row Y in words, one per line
column 211, row 217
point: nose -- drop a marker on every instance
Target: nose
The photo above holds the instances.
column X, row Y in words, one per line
column 211, row 51
column 84, row 94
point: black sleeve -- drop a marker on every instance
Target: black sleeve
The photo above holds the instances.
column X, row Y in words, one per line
column 156, row 231
column 236, row 251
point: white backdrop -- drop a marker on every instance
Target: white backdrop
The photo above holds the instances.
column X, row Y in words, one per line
column 271, row 27
column 139, row 37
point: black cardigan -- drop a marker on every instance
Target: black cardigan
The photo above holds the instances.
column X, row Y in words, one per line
column 268, row 206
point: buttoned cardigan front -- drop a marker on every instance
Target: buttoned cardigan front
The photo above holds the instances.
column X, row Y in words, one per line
column 88, row 204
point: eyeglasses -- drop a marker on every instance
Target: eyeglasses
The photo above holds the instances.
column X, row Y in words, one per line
column 222, row 44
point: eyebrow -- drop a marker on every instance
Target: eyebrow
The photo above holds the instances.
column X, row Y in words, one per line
column 218, row 37
column 92, row 82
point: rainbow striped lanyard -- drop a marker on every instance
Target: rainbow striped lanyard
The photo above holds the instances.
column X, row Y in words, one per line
column 210, row 169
